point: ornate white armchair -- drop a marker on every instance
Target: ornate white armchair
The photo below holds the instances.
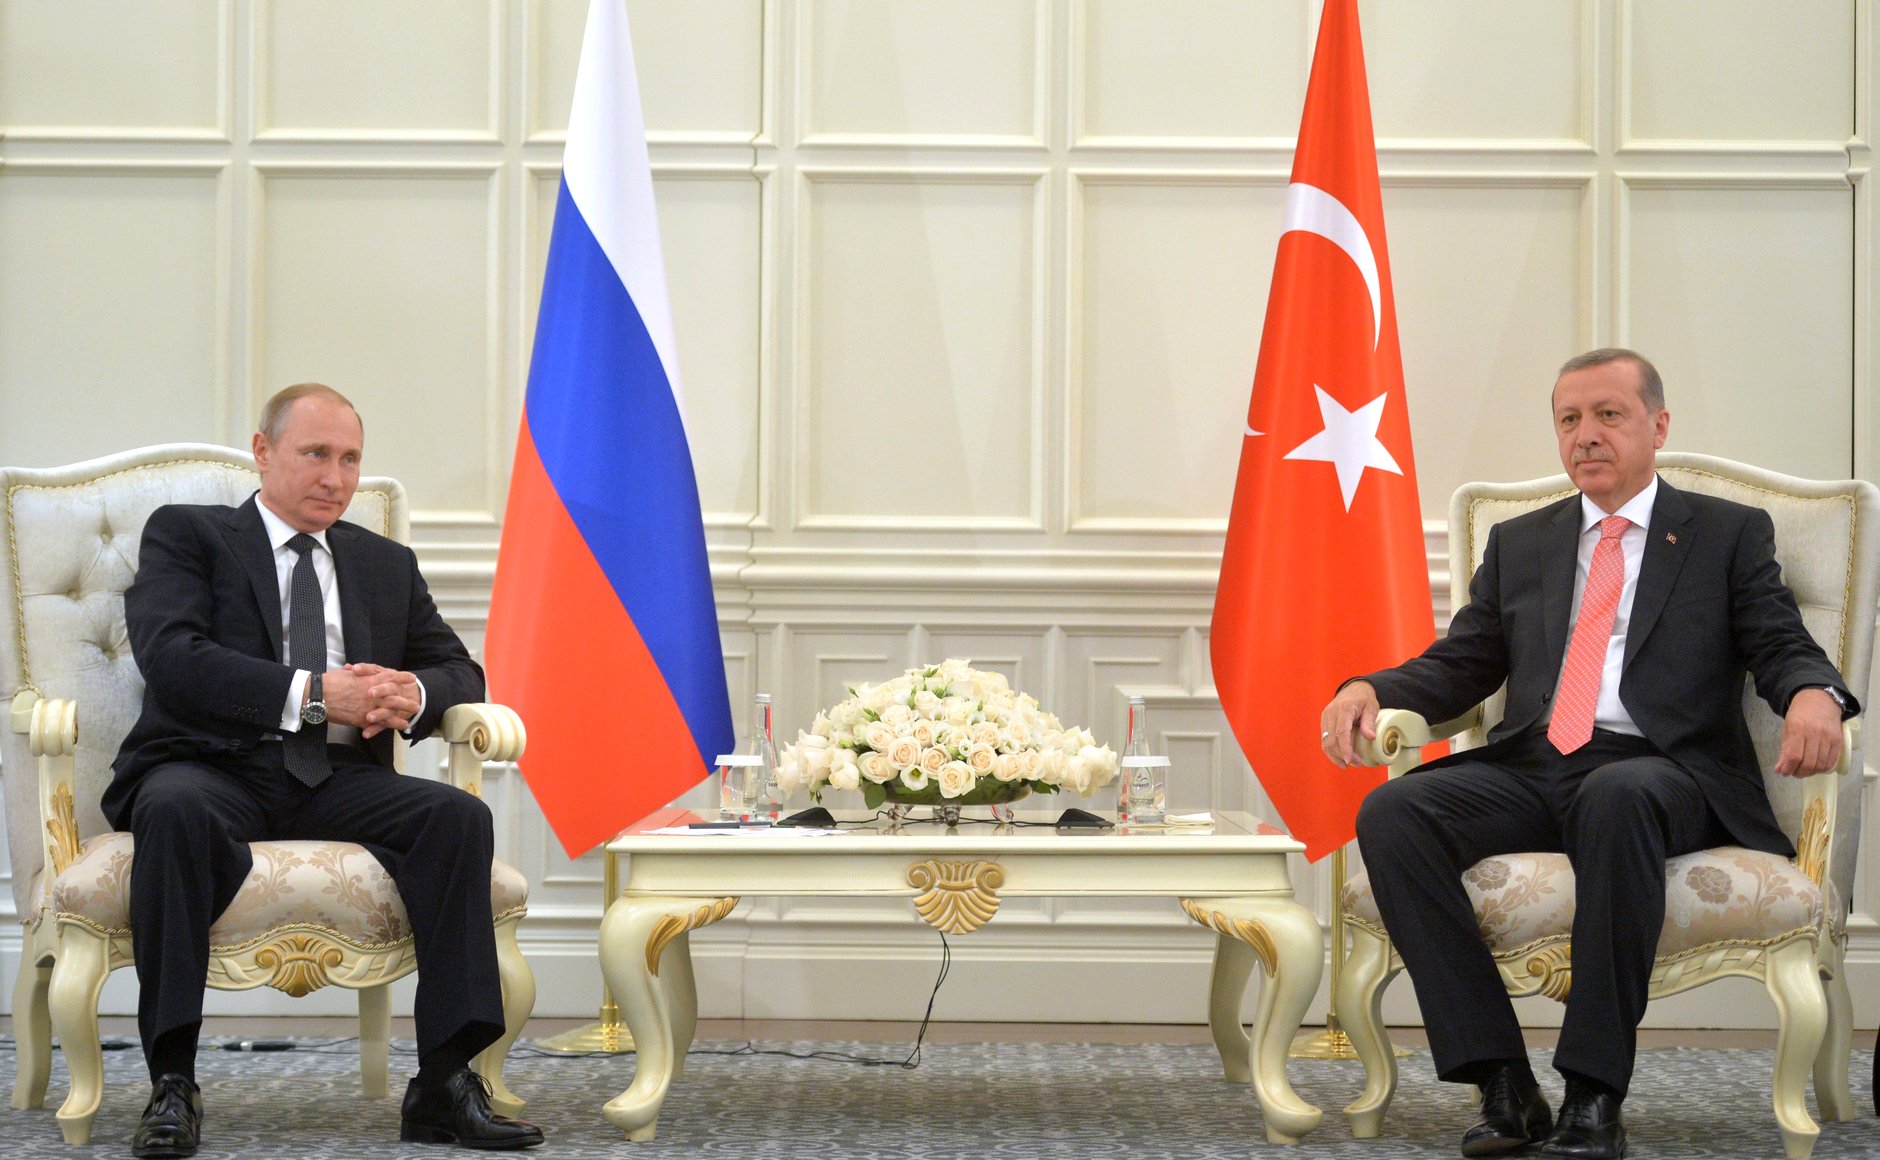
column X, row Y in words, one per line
column 1729, row 911
column 310, row 913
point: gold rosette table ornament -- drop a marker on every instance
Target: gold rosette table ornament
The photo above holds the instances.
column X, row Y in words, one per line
column 1230, row 877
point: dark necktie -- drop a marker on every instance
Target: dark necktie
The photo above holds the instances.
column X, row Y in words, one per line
column 304, row 752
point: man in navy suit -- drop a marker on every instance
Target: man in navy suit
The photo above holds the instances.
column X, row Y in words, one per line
column 280, row 649
column 1660, row 764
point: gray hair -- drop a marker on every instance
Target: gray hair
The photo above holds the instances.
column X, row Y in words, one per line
column 274, row 412
column 1651, row 388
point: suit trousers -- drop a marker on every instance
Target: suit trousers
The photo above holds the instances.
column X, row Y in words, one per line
column 1616, row 807
column 192, row 822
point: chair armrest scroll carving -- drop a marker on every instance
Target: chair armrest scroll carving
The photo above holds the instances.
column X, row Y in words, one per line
column 52, row 737
column 1402, row 734
column 478, row 733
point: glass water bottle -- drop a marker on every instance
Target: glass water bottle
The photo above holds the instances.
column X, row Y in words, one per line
column 762, row 801
column 1136, row 746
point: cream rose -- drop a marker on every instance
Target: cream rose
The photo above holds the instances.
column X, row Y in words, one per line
column 927, row 703
column 790, row 775
column 925, row 732
column 878, row 735
column 1051, row 767
column 931, row 759
column 982, row 759
column 986, row 733
column 844, row 771
column 897, row 715
column 956, row 779
column 876, row 767
column 1009, row 767
column 904, row 753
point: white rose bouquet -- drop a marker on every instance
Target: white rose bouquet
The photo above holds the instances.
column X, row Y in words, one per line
column 946, row 733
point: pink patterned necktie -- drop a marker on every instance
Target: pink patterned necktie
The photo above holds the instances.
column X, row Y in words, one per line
column 1572, row 724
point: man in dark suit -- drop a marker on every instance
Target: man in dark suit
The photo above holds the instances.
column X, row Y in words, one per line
column 1622, row 621
column 280, row 650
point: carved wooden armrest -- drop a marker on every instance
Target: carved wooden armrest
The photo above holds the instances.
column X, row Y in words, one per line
column 1402, row 734
column 478, row 733
column 1814, row 847
column 51, row 726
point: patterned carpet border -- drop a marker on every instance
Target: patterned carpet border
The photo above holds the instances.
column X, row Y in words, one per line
column 965, row 1102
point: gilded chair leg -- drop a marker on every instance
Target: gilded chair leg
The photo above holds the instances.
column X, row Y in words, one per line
column 1360, row 1002
column 32, row 1029
column 78, row 975
column 1832, row 1096
column 518, row 1001
column 1794, row 984
column 375, row 1040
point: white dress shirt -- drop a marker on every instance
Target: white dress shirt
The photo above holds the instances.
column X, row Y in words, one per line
column 1608, row 712
column 285, row 558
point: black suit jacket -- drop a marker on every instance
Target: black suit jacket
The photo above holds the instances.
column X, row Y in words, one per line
column 204, row 618
column 1710, row 604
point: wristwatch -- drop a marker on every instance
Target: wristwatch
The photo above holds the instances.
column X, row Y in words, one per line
column 314, row 711
column 1847, row 709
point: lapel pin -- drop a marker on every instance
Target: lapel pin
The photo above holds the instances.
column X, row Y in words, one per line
column 1671, row 537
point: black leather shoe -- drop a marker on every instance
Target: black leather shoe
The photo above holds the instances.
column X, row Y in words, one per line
column 1514, row 1115
column 458, row 1112
column 172, row 1123
column 1591, row 1126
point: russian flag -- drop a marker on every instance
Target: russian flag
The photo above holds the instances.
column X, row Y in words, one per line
column 603, row 633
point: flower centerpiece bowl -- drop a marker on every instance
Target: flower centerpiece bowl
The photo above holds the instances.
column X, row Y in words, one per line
column 947, row 736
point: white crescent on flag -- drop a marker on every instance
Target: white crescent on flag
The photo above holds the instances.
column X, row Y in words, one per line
column 1312, row 210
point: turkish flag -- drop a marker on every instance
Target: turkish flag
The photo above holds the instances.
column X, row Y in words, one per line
column 1324, row 575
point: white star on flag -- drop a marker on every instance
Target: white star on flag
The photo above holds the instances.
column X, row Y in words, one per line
column 1349, row 442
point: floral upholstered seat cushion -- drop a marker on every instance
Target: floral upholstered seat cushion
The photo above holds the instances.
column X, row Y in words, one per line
column 1717, row 895
column 337, row 886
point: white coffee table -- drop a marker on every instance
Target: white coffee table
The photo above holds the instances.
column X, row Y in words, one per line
column 1231, row 878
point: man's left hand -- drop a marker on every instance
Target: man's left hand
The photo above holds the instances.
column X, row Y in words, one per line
column 1811, row 734
column 394, row 695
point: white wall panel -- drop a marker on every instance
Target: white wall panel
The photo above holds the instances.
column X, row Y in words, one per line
column 923, row 366
column 1204, row 68
column 1478, row 68
column 382, row 285
column 359, row 68
column 105, row 68
column 943, row 68
column 109, row 288
column 1744, row 296
column 699, row 63
column 1172, row 294
column 1485, row 324
column 1739, row 70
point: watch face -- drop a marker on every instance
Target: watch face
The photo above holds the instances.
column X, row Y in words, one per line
column 314, row 713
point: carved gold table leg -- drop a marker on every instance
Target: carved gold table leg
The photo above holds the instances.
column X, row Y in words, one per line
column 641, row 943
column 1285, row 939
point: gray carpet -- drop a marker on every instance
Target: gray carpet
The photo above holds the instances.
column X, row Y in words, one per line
column 983, row 1102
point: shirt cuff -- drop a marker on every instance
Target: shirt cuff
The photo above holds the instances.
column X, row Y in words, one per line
column 296, row 690
column 416, row 717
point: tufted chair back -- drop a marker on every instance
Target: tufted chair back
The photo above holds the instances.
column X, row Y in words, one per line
column 1828, row 543
column 69, row 538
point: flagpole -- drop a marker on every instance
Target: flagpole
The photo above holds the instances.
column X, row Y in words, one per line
column 607, row 1035
column 1332, row 1042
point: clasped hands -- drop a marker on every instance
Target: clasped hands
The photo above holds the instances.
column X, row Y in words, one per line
column 1811, row 729
column 371, row 697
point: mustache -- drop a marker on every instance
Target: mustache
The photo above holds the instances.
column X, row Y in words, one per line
column 1590, row 457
